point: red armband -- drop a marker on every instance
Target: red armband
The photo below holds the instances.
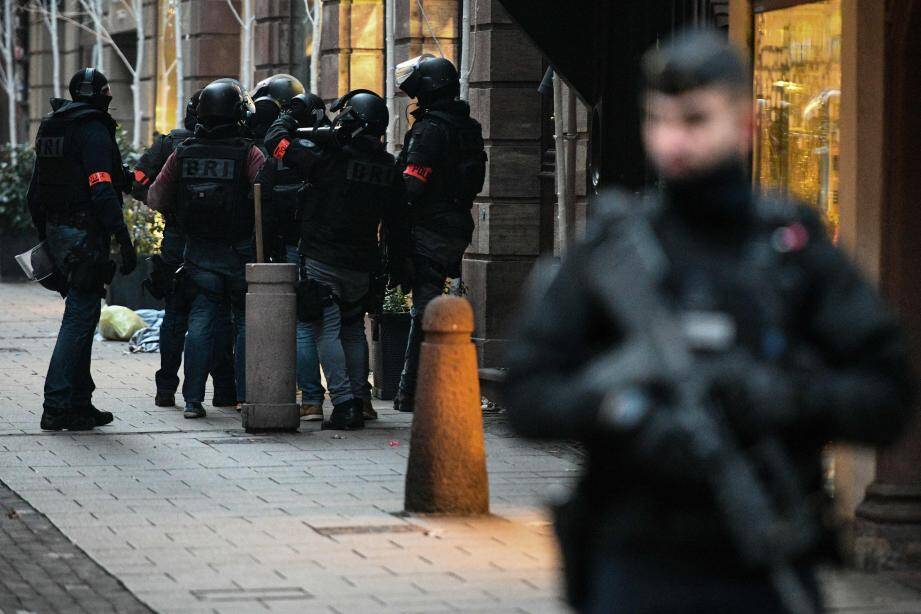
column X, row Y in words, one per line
column 280, row 150
column 419, row 172
column 100, row 177
column 140, row 177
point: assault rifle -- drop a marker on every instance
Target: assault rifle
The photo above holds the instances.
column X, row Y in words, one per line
column 767, row 518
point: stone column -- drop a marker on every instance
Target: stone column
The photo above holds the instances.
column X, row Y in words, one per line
column 503, row 97
column 271, row 316
column 889, row 519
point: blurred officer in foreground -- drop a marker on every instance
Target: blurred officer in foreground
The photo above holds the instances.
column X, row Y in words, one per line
column 164, row 284
column 354, row 190
column 703, row 490
column 444, row 166
column 282, row 189
column 207, row 183
column 76, row 205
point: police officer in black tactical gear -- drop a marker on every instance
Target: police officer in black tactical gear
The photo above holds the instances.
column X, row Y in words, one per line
column 76, row 205
column 786, row 347
column 282, row 189
column 207, row 183
column 354, row 189
column 164, row 283
column 444, row 165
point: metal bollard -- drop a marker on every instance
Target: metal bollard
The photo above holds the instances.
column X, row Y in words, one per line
column 447, row 457
column 271, row 316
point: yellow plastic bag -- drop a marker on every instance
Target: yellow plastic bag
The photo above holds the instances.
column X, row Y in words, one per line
column 118, row 323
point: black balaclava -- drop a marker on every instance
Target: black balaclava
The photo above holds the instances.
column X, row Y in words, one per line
column 721, row 195
column 92, row 95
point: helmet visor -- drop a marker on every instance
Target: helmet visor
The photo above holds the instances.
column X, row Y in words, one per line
column 405, row 70
column 36, row 263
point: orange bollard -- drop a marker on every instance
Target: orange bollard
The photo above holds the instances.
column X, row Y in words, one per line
column 447, row 457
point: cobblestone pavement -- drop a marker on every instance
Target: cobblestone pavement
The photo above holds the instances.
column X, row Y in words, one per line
column 197, row 516
column 42, row 571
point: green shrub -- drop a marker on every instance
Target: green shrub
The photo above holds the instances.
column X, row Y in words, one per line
column 14, row 185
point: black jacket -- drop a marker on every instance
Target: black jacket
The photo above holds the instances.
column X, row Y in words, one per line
column 432, row 188
column 856, row 389
column 78, row 168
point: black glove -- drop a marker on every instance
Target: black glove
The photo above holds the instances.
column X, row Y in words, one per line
column 757, row 398
column 282, row 128
column 129, row 256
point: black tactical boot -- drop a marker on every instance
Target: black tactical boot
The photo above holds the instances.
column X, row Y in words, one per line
column 404, row 403
column 228, row 399
column 367, row 410
column 56, row 419
column 100, row 418
column 346, row 417
column 165, row 399
column 194, row 410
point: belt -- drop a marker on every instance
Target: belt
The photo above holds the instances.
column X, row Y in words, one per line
column 76, row 219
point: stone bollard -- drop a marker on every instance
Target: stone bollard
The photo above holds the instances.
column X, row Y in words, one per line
column 271, row 317
column 447, row 457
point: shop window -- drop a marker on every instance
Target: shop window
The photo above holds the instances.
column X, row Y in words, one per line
column 797, row 88
column 165, row 118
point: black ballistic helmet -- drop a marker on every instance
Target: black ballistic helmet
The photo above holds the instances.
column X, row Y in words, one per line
column 428, row 78
column 224, row 102
column 362, row 112
column 308, row 109
column 695, row 59
column 191, row 111
column 91, row 86
column 280, row 88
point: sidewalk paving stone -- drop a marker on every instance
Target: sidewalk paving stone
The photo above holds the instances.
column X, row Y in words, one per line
column 197, row 516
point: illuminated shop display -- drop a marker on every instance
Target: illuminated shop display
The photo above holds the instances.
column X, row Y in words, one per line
column 797, row 88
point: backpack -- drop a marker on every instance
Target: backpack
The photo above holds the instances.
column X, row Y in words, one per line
column 468, row 155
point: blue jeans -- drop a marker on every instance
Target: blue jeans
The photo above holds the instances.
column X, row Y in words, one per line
column 218, row 274
column 340, row 333
column 427, row 286
column 69, row 383
column 174, row 327
column 308, row 359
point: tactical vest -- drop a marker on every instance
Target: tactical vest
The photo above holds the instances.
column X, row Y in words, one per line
column 344, row 208
column 213, row 202
column 285, row 200
column 63, row 182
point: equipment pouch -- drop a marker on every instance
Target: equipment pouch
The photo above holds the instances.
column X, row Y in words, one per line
column 209, row 210
column 312, row 298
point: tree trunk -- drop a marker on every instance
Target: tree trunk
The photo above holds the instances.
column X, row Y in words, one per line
column 98, row 48
column 246, row 45
column 55, row 48
column 465, row 50
column 137, row 72
column 390, row 86
column 10, row 84
column 315, row 46
column 180, row 66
